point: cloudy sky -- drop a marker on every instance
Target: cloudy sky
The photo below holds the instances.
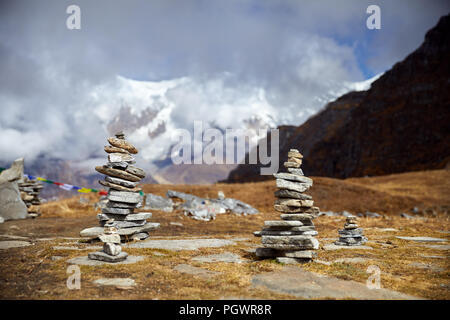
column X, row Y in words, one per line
column 58, row 87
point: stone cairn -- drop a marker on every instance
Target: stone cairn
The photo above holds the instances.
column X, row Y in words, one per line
column 112, row 251
column 351, row 235
column 123, row 195
column 291, row 240
column 29, row 192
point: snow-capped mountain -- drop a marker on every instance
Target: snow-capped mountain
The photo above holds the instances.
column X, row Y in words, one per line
column 151, row 112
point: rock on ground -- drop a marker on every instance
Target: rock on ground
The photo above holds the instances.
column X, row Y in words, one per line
column 422, row 239
column 304, row 284
column 85, row 261
column 118, row 282
column 13, row 244
column 11, row 205
column 335, row 247
column 177, row 245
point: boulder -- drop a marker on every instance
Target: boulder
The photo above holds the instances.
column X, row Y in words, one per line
column 14, row 173
column 12, row 206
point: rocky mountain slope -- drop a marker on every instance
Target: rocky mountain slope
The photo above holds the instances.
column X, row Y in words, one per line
column 402, row 123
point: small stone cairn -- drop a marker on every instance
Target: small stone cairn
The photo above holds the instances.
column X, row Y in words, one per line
column 291, row 240
column 29, row 192
column 123, row 195
column 112, row 251
column 351, row 235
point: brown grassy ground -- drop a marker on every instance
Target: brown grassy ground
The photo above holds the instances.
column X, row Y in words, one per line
column 30, row 272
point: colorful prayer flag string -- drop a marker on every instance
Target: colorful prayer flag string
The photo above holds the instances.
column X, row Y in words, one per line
column 68, row 187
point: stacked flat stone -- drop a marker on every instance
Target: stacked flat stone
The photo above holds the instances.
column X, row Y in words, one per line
column 351, row 235
column 123, row 195
column 112, row 251
column 29, row 192
column 291, row 240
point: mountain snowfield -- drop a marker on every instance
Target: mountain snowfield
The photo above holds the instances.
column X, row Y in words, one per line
column 151, row 112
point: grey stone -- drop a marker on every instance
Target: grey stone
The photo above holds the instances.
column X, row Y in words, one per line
column 289, row 209
column 2, row 220
column 335, row 247
column 287, row 233
column 353, row 232
column 221, row 257
column 113, row 186
column 304, row 284
column 112, row 249
column 294, row 186
column 14, row 173
column 236, row 206
column 195, row 271
column 127, row 224
column 102, row 256
column 180, row 195
column 117, row 282
column 297, row 217
column 84, row 260
column 140, row 236
column 422, row 239
column 153, row 201
column 283, row 223
column 295, row 171
column 121, row 182
column 117, row 165
column 11, row 205
column 13, row 244
column 290, row 242
column 123, row 211
column 294, row 202
column 120, row 157
column 113, row 238
column 286, row 260
column 122, row 205
column 123, row 196
column 96, row 231
column 284, row 193
column 136, row 171
column 293, row 177
column 129, row 217
column 372, row 214
column 184, row 244
column 118, row 173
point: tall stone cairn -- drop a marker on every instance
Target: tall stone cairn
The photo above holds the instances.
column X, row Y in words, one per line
column 291, row 240
column 121, row 177
column 29, row 192
column 351, row 235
